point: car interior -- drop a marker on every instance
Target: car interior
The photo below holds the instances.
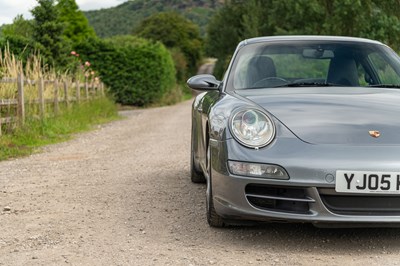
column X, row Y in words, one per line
column 342, row 71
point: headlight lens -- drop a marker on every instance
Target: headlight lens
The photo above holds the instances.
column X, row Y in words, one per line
column 252, row 128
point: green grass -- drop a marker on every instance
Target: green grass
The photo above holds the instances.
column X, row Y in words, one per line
column 178, row 94
column 36, row 133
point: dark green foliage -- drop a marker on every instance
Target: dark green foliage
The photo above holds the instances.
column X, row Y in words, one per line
column 76, row 25
column 238, row 20
column 20, row 46
column 48, row 31
column 181, row 65
column 17, row 38
column 20, row 27
column 126, row 17
column 137, row 71
column 53, row 32
column 368, row 18
column 223, row 34
column 174, row 31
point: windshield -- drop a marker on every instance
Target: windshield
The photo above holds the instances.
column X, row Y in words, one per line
column 313, row 63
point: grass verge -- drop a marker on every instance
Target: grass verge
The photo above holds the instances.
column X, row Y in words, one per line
column 180, row 93
column 36, row 133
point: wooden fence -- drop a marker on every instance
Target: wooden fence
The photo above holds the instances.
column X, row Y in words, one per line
column 90, row 90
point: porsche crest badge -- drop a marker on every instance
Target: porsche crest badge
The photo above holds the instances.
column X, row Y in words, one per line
column 374, row 133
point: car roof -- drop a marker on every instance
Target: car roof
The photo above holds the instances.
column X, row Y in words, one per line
column 307, row 38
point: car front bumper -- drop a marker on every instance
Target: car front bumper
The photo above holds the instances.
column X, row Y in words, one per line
column 309, row 195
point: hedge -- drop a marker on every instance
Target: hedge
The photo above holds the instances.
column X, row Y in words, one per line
column 137, row 71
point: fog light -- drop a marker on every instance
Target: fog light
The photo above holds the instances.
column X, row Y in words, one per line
column 257, row 170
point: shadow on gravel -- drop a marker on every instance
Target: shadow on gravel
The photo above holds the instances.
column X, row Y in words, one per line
column 290, row 236
column 306, row 238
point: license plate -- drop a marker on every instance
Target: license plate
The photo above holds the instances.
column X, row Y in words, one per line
column 368, row 182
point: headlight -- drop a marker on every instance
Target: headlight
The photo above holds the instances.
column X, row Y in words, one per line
column 252, row 128
column 257, row 170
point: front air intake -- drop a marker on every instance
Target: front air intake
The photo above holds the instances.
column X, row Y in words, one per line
column 280, row 199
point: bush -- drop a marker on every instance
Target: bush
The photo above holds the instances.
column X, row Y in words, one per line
column 138, row 72
column 20, row 46
column 181, row 65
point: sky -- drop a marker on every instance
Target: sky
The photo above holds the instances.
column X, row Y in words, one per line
column 9, row 9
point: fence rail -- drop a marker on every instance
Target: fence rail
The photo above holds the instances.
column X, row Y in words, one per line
column 90, row 90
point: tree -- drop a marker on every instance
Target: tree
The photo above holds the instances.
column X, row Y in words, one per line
column 17, row 38
column 77, row 27
column 20, row 27
column 224, row 32
column 128, row 15
column 238, row 20
column 174, row 31
column 252, row 19
column 367, row 18
column 48, row 31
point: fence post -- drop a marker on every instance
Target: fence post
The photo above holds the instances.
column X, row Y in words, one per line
column 78, row 91
column 86, row 88
column 102, row 88
column 41, row 97
column 56, row 109
column 66, row 93
column 21, row 99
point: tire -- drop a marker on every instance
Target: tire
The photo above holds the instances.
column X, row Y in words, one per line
column 213, row 219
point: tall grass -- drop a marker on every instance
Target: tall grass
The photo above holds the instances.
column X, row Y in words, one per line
column 23, row 140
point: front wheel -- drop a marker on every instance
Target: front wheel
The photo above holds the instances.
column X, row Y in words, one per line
column 213, row 218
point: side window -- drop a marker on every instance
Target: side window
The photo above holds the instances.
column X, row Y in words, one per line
column 385, row 72
column 240, row 79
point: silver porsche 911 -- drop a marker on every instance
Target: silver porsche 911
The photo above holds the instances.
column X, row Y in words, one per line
column 303, row 129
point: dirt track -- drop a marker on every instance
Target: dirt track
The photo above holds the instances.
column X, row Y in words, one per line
column 121, row 195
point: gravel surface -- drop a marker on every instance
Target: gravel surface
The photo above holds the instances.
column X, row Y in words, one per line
column 121, row 195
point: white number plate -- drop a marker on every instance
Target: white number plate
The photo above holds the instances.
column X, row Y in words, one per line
column 368, row 182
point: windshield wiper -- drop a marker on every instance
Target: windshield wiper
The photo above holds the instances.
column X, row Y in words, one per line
column 385, row 86
column 309, row 84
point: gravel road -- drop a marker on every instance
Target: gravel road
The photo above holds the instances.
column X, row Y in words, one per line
column 121, row 195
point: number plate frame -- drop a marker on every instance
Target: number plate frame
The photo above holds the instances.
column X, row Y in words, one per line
column 367, row 182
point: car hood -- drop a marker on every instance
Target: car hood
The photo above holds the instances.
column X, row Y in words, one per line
column 334, row 115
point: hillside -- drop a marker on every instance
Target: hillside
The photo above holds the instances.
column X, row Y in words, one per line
column 124, row 18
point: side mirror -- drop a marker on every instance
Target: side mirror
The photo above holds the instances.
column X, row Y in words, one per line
column 204, row 82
